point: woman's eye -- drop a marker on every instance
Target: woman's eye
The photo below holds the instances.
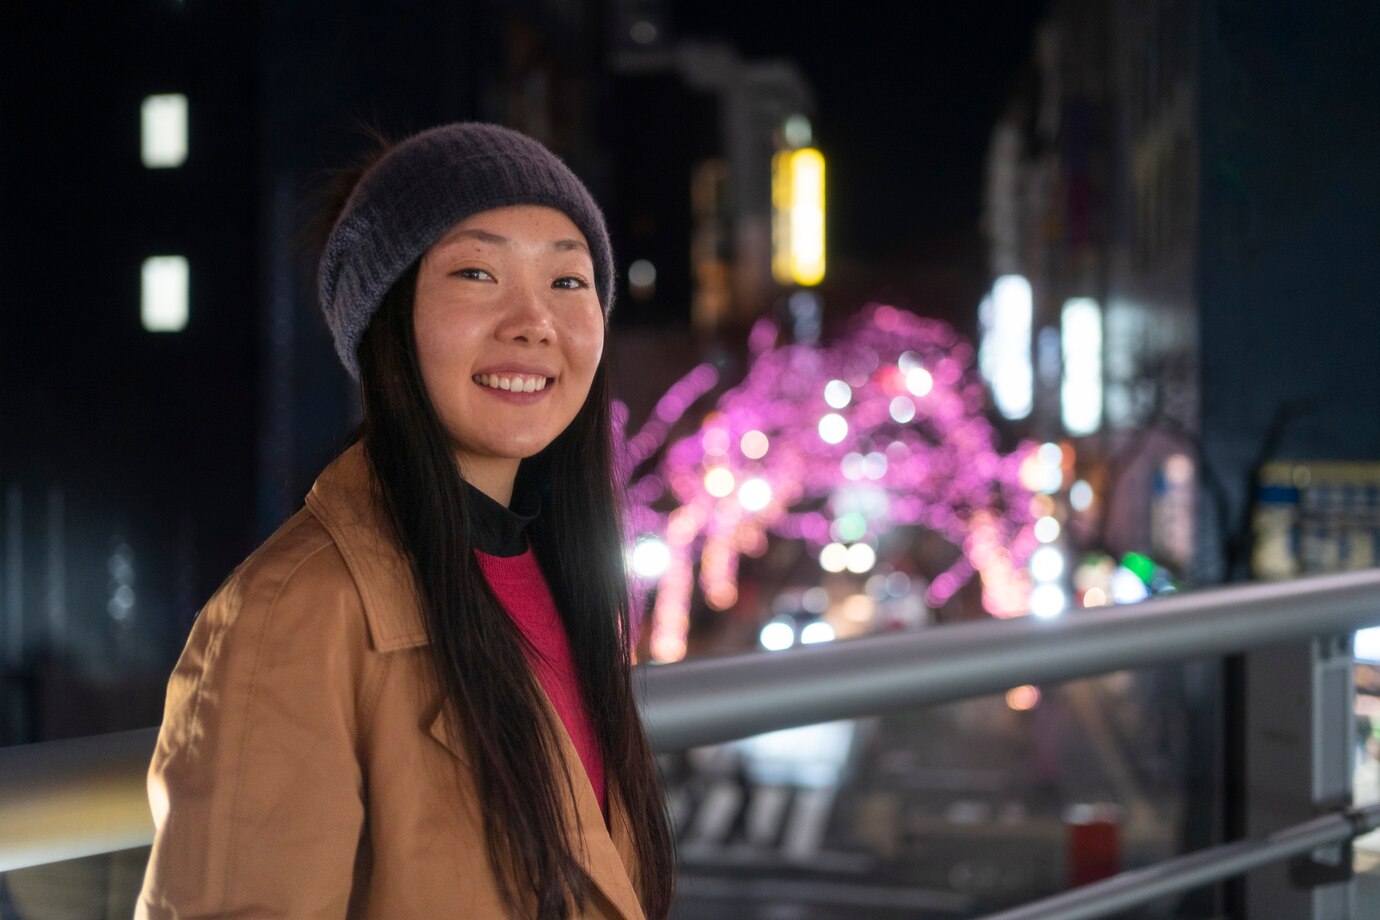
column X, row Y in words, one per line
column 570, row 283
column 474, row 274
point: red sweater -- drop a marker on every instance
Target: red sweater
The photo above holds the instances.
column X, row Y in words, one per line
column 522, row 590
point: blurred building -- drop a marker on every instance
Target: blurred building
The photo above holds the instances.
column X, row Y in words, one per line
column 1167, row 164
column 1092, row 197
column 129, row 353
column 1181, row 221
column 697, row 127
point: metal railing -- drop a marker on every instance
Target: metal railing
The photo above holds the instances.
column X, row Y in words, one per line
column 61, row 800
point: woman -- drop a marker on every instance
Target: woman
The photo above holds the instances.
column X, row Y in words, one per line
column 414, row 700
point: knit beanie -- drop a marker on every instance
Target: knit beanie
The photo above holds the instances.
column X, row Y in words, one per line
column 419, row 190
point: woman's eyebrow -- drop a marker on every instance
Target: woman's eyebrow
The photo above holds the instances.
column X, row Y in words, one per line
column 484, row 236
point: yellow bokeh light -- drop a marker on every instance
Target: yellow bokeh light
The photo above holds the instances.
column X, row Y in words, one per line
column 721, row 597
column 754, row 445
column 667, row 648
column 833, row 558
column 718, row 482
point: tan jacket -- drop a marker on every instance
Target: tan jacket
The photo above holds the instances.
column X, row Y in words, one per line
column 303, row 769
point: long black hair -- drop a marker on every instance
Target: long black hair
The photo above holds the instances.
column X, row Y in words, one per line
column 477, row 655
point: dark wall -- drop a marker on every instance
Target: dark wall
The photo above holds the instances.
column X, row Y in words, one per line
column 157, row 461
column 332, row 70
column 658, row 130
column 1290, row 223
column 116, row 443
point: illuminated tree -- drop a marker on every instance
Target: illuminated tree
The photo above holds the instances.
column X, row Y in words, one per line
column 832, row 445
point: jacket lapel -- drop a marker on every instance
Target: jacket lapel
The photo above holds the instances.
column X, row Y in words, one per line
column 605, row 851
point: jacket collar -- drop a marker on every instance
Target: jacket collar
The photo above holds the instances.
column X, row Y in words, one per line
column 498, row 530
column 344, row 500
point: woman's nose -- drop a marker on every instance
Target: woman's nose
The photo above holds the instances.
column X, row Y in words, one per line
column 528, row 317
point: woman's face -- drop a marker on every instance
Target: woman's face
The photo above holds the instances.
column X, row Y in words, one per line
column 509, row 333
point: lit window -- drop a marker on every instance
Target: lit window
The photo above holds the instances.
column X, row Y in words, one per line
column 1004, row 356
column 163, row 305
column 163, row 131
column 1081, row 393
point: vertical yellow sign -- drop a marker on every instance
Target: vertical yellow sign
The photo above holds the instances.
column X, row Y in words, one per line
column 797, row 195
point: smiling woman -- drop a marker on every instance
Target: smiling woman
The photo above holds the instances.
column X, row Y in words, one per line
column 415, row 699
column 509, row 332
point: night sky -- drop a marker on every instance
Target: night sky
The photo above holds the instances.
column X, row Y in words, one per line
column 906, row 102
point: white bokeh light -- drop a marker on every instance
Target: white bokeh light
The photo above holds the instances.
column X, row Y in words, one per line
column 777, row 635
column 833, row 558
column 833, row 428
column 902, row 410
column 1046, row 564
column 754, row 494
column 919, row 381
column 837, row 394
column 650, row 557
column 1047, row 601
column 861, row 558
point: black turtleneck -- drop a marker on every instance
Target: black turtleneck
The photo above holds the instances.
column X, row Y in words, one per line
column 500, row 531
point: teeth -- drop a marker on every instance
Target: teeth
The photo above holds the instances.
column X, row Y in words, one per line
column 517, row 383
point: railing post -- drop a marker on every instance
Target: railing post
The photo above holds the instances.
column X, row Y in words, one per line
column 1299, row 741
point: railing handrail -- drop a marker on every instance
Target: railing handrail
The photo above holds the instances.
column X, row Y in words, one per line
column 1194, row 870
column 64, row 799
column 709, row 700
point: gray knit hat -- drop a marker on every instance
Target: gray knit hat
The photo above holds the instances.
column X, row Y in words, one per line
column 419, row 190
